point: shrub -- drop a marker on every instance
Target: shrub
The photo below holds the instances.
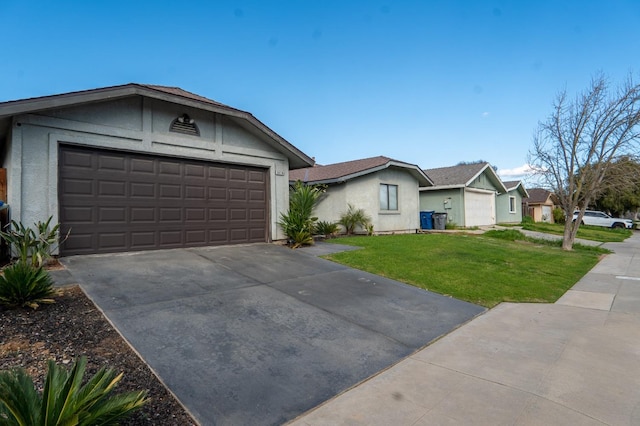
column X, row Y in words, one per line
column 298, row 224
column 64, row 400
column 22, row 284
column 328, row 229
column 352, row 218
column 527, row 219
column 27, row 245
column 558, row 215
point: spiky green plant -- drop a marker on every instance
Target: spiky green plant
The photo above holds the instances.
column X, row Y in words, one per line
column 298, row 223
column 328, row 229
column 354, row 217
column 27, row 245
column 23, row 285
column 64, row 400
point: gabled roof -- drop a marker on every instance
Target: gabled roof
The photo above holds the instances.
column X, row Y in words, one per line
column 463, row 175
column 341, row 172
column 538, row 196
column 512, row 185
column 170, row 94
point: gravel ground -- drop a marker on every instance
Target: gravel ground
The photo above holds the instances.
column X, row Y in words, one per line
column 73, row 327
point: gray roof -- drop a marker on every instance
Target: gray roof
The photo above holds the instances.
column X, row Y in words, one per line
column 341, row 172
column 538, row 196
column 176, row 95
column 515, row 184
column 462, row 175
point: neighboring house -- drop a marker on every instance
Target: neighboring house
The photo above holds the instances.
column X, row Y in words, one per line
column 509, row 205
column 466, row 192
column 539, row 205
column 138, row 167
column 386, row 189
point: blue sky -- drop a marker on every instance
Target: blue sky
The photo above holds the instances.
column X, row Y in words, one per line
column 427, row 82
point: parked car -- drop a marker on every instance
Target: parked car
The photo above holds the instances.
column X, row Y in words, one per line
column 596, row 218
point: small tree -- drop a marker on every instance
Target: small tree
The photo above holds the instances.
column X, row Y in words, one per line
column 575, row 147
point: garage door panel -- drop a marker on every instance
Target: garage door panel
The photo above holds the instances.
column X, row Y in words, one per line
column 239, row 235
column 116, row 201
column 237, row 175
column 112, row 163
column 171, row 238
column 79, row 214
column 113, row 240
column 236, row 194
column 142, row 190
column 112, row 189
column 113, row 215
column 143, row 214
column 170, row 191
column 77, row 187
column 218, row 215
column 195, row 171
column 77, row 160
column 142, row 166
column 143, row 240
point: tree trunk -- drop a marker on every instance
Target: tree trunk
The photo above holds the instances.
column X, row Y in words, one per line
column 568, row 236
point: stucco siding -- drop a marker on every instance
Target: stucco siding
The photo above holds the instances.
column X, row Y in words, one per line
column 448, row 201
column 138, row 125
column 364, row 193
column 504, row 215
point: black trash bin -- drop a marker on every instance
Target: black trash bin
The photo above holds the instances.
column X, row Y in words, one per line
column 426, row 220
column 439, row 221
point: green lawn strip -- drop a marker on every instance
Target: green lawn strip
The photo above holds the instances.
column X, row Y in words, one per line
column 595, row 233
column 475, row 268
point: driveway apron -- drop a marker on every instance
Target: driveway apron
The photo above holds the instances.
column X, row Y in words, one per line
column 259, row 334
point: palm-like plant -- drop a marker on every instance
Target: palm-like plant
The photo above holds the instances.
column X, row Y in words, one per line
column 23, row 285
column 64, row 400
column 298, row 223
column 354, row 217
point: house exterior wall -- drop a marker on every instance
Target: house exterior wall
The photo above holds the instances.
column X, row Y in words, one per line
column 450, row 201
column 542, row 212
column 502, row 207
column 134, row 124
column 364, row 192
column 483, row 182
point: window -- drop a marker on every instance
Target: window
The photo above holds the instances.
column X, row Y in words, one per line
column 388, row 197
column 512, row 204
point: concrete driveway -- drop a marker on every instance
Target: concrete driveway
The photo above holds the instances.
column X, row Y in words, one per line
column 259, row 334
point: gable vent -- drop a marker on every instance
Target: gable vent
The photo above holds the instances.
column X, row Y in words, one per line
column 185, row 124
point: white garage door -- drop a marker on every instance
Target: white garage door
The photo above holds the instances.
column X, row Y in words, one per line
column 479, row 208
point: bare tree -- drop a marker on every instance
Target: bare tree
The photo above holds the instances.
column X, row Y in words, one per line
column 576, row 145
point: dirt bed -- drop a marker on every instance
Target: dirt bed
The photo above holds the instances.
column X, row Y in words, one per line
column 73, row 327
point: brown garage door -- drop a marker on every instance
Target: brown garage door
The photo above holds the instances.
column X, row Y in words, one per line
column 115, row 201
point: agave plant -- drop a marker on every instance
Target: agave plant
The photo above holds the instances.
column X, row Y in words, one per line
column 64, row 400
column 23, row 285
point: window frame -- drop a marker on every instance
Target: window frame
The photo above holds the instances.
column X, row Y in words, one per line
column 386, row 187
column 512, row 203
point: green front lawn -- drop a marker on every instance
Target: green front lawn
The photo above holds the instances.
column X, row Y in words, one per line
column 595, row 233
column 475, row 268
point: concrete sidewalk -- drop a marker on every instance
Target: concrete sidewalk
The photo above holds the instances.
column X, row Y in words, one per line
column 573, row 362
